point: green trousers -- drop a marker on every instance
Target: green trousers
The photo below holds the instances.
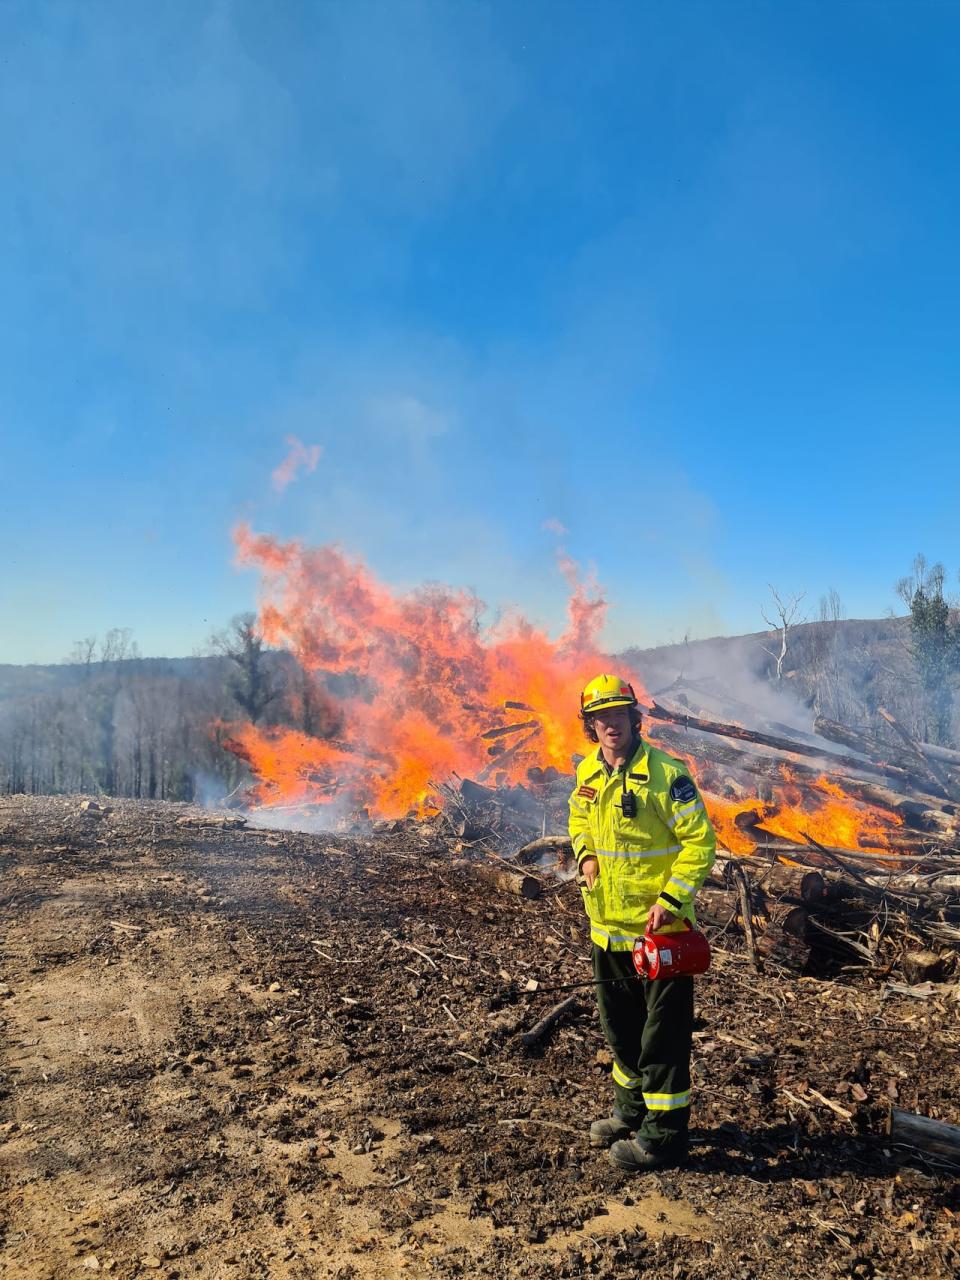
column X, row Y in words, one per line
column 648, row 1024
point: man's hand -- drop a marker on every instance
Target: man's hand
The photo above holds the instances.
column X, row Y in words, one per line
column 658, row 917
column 590, row 869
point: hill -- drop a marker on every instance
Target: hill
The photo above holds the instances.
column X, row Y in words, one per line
column 147, row 727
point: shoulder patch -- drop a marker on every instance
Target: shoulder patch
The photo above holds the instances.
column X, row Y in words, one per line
column 682, row 790
column 588, row 793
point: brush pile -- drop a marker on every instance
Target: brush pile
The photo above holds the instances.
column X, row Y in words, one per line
column 836, row 849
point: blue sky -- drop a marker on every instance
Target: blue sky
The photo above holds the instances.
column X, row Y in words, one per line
column 683, row 278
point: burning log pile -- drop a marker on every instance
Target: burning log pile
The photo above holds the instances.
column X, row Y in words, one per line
column 845, row 856
column 414, row 712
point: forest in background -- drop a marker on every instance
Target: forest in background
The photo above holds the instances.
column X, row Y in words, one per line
column 108, row 721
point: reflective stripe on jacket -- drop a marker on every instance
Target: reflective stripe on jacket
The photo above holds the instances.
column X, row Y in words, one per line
column 661, row 855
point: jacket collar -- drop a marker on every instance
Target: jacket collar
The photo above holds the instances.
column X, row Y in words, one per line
column 635, row 763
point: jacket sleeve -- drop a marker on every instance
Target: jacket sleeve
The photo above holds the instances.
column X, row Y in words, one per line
column 580, row 834
column 686, row 816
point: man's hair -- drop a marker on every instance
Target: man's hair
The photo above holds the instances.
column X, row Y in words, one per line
column 591, row 733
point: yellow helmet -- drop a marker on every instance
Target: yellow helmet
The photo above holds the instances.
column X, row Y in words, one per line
column 606, row 691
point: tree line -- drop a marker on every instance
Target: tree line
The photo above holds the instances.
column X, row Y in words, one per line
column 109, row 721
column 847, row 670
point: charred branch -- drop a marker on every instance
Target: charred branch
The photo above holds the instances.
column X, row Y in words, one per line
column 549, row 1021
column 920, row 1133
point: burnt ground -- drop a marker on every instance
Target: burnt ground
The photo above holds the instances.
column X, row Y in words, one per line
column 244, row 1053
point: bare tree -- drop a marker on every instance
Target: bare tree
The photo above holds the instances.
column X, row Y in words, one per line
column 787, row 612
column 118, row 645
column 82, row 653
column 112, row 722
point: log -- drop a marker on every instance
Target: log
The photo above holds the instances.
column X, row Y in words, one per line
column 504, row 729
column 475, row 793
column 847, row 736
column 784, row 939
column 467, row 829
column 918, row 883
column 742, row 882
column 499, row 760
column 714, row 905
column 499, row 878
column 921, row 966
column 814, row 889
column 916, row 812
column 932, row 1137
column 534, row 849
column 789, row 745
column 932, row 767
column 730, row 706
column 548, row 1022
column 949, row 757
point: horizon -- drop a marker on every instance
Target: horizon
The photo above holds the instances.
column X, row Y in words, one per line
column 663, row 298
column 69, row 661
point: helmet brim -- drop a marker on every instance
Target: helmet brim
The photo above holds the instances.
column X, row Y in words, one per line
column 605, row 703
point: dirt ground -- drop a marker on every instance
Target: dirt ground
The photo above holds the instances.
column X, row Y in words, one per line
column 245, row 1053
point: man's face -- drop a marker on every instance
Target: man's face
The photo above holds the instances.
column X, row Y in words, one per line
column 613, row 729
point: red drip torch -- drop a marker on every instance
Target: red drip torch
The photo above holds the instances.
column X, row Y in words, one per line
column 671, row 955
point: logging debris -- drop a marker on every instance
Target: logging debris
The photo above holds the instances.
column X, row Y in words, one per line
column 306, row 1058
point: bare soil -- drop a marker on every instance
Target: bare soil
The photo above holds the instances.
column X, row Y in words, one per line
column 245, row 1053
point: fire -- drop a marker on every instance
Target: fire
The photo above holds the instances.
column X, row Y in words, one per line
column 425, row 691
column 428, row 679
column 821, row 809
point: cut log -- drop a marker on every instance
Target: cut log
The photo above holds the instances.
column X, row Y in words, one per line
column 815, row 890
column 789, row 745
column 932, row 1137
column 549, row 1021
column 921, row 884
column 921, row 966
column 854, row 739
column 932, row 767
column 927, row 813
column 499, row 878
column 535, row 849
column 784, row 940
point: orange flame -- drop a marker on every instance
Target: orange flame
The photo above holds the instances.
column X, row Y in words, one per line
column 428, row 679
column 421, row 679
column 831, row 817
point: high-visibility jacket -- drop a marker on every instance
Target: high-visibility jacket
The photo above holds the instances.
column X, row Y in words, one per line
column 662, row 855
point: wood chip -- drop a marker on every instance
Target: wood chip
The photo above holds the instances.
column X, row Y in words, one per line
column 919, row 991
column 828, row 1102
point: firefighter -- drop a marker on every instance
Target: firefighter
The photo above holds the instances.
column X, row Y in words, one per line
column 644, row 845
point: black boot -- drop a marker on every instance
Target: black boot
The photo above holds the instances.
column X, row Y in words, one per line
column 603, row 1132
column 634, row 1156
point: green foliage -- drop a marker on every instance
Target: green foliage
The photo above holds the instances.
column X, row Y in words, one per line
column 251, row 683
column 934, row 644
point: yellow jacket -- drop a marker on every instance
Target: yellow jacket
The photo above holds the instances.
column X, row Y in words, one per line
column 661, row 855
